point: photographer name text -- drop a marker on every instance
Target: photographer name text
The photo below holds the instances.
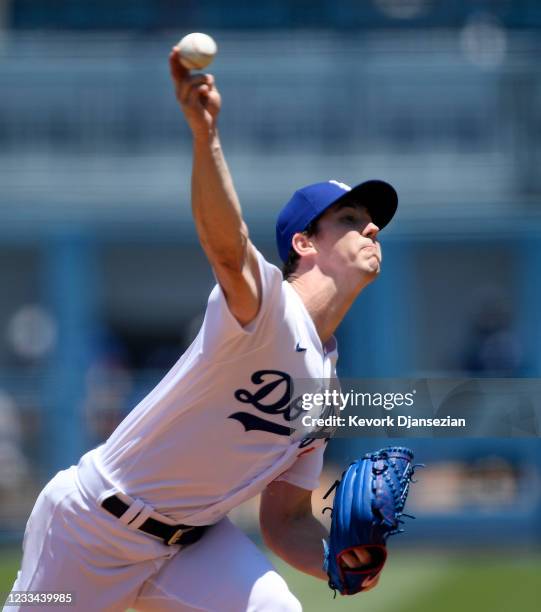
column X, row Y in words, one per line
column 405, row 421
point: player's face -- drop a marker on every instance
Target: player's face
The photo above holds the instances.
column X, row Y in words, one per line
column 347, row 242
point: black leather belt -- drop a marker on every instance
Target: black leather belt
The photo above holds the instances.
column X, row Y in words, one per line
column 170, row 534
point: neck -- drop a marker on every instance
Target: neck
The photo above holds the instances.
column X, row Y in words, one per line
column 326, row 300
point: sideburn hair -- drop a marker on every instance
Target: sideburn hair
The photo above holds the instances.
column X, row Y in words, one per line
column 290, row 266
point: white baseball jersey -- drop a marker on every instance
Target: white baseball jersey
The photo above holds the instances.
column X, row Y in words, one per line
column 222, row 425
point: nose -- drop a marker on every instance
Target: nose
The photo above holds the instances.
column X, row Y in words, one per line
column 370, row 230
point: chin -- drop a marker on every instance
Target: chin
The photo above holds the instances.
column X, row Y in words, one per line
column 370, row 273
column 372, row 266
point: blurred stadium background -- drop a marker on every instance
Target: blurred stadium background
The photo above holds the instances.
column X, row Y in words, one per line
column 104, row 285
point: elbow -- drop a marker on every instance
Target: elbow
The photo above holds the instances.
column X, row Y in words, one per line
column 271, row 538
column 266, row 537
column 272, row 523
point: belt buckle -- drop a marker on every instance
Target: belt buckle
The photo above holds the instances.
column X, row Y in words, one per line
column 177, row 535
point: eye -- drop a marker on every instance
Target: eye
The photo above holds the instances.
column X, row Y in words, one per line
column 350, row 219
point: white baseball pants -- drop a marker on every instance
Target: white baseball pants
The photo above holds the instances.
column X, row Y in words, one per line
column 72, row 545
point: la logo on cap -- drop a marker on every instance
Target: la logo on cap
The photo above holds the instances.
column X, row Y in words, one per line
column 341, row 185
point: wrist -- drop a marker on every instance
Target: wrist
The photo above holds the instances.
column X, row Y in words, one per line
column 205, row 137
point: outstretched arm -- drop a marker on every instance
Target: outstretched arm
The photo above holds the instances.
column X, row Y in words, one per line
column 216, row 209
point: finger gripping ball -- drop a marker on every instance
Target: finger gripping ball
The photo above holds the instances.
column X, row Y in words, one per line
column 196, row 50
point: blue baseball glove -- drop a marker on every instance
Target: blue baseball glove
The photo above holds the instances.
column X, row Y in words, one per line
column 367, row 509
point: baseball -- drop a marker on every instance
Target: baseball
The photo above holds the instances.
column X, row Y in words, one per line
column 196, row 50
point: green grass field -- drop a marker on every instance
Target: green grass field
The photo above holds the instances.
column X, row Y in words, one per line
column 434, row 583
column 424, row 582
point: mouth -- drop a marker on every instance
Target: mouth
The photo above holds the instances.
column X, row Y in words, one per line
column 372, row 251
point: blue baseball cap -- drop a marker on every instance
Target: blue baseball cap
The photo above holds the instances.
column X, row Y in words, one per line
column 380, row 199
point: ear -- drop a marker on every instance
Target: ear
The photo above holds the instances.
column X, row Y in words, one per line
column 303, row 244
